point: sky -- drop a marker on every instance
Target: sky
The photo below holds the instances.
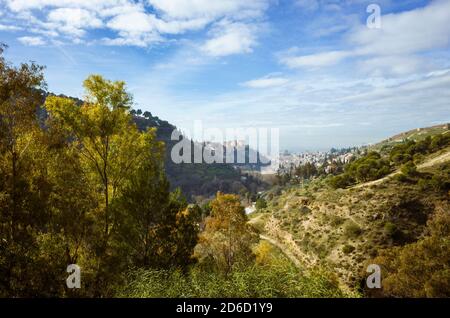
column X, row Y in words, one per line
column 326, row 73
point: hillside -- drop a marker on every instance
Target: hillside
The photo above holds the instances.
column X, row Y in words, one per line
column 197, row 181
column 345, row 228
column 414, row 134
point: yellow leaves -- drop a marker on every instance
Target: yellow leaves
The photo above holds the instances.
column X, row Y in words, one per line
column 103, row 130
column 61, row 107
column 263, row 252
column 112, row 95
column 227, row 238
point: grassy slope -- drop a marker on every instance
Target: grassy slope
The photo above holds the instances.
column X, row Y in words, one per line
column 315, row 222
column 415, row 134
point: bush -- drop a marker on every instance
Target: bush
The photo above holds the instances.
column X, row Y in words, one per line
column 352, row 230
column 409, row 170
column 347, row 249
column 341, row 181
column 401, row 177
column 390, row 228
column 419, row 269
column 261, row 204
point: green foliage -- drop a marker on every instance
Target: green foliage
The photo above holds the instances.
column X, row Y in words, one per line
column 410, row 149
column 439, row 181
column 254, row 281
column 390, row 228
column 261, row 204
column 85, row 187
column 409, row 169
column 227, row 238
column 372, row 166
column 341, row 181
column 352, row 230
column 368, row 168
column 306, row 171
column 347, row 249
column 420, row 269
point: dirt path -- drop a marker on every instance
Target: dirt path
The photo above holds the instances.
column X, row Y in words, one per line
column 439, row 159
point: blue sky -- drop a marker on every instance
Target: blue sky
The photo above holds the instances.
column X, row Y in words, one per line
column 312, row 68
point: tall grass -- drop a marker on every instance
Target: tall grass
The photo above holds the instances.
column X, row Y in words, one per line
column 256, row 281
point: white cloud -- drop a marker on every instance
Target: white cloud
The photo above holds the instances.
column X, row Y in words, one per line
column 131, row 22
column 23, row 5
column 141, row 23
column 178, row 26
column 390, row 50
column 190, row 9
column 75, row 17
column 314, row 60
column 407, row 32
column 72, row 21
column 32, row 40
column 4, row 27
column 230, row 38
column 143, row 40
column 392, row 65
column 266, row 82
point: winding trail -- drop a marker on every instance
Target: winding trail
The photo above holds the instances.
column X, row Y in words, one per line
column 429, row 163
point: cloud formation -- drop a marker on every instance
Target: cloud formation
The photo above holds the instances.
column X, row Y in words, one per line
column 32, row 40
column 140, row 23
column 394, row 48
column 230, row 38
column 266, row 82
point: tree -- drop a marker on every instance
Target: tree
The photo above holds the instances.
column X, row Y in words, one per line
column 109, row 143
column 156, row 227
column 419, row 269
column 227, row 238
column 23, row 186
column 147, row 114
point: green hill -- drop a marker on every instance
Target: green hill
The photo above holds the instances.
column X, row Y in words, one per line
column 197, row 181
column 346, row 228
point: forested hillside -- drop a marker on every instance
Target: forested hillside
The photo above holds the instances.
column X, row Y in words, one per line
column 83, row 185
column 200, row 181
column 389, row 208
column 90, row 182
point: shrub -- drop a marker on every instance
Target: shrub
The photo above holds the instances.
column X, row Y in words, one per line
column 419, row 269
column 409, row 169
column 352, row 230
column 347, row 249
column 341, row 181
column 401, row 177
column 261, row 204
column 390, row 228
column 336, row 220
